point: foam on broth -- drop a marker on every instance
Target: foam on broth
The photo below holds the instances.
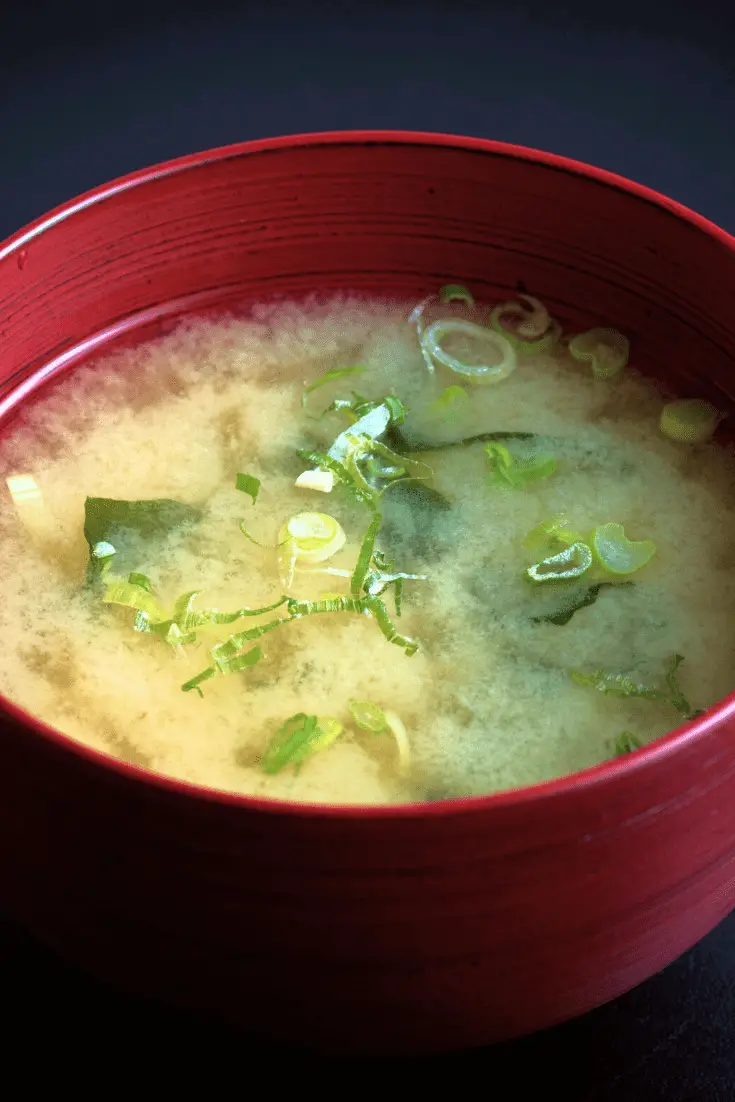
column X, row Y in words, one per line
column 487, row 701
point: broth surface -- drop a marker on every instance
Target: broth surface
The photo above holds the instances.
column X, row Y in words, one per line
column 487, row 701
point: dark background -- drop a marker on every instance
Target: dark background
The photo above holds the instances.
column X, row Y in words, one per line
column 90, row 91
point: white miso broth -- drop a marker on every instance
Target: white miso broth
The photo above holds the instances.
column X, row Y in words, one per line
column 444, row 615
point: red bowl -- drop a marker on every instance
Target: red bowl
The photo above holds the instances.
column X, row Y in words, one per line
column 410, row 928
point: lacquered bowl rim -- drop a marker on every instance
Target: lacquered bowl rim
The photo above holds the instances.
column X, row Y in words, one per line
column 624, row 769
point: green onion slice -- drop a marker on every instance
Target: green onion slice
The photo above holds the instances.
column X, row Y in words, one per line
column 606, row 350
column 689, row 420
column 526, row 325
column 551, row 532
column 297, row 739
column 455, row 292
column 329, row 377
column 315, row 537
column 497, row 345
column 616, row 553
column 572, row 562
column 367, row 716
column 508, row 470
column 450, row 402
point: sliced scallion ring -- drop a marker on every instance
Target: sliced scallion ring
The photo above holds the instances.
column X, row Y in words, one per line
column 368, row 716
column 416, row 317
column 550, row 532
column 572, row 562
column 606, row 350
column 533, row 330
column 689, row 420
column 455, row 292
column 499, row 346
column 315, row 536
column 617, row 553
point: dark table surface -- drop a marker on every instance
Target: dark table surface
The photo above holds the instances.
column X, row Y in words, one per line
column 88, row 92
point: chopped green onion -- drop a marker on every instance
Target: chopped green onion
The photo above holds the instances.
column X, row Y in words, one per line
column 340, row 472
column 368, row 716
column 607, row 350
column 689, row 421
column 315, row 537
column 413, row 468
column 431, row 344
column 398, row 730
column 372, row 425
column 252, row 538
column 376, row 583
column 179, row 631
column 534, row 319
column 225, row 663
column 376, row 470
column 346, row 405
column 398, row 593
column 379, row 612
column 141, row 580
column 577, row 601
column 416, row 318
column 368, row 606
column 361, row 441
column 381, row 577
column 551, row 532
column 507, row 470
column 533, row 330
column 167, row 630
column 450, row 401
column 329, row 377
column 131, row 595
column 249, row 485
column 625, row 743
column 572, row 562
column 297, row 739
column 371, row 718
column 455, row 292
column 226, row 656
column 618, row 684
column 365, row 556
column 616, row 553
column 186, row 618
column 396, row 409
column 358, row 406
column 195, row 682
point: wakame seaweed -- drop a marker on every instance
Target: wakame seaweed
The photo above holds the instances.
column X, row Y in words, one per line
column 581, row 599
column 107, row 519
column 395, row 439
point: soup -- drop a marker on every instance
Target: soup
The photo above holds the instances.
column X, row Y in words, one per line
column 363, row 552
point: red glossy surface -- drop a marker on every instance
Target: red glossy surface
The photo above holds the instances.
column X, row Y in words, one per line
column 409, row 928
